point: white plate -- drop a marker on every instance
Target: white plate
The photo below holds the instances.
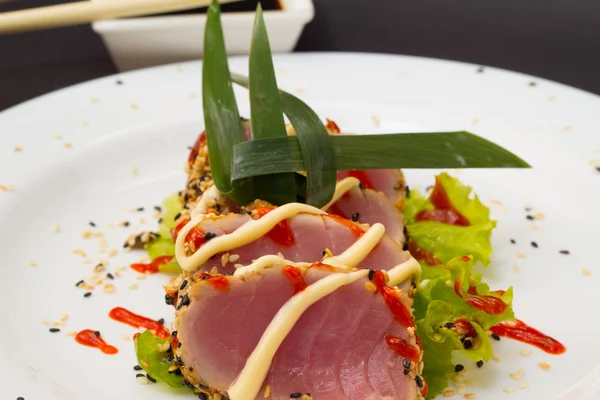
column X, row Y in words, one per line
column 148, row 121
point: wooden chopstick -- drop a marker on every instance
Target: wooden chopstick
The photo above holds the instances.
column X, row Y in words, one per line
column 88, row 11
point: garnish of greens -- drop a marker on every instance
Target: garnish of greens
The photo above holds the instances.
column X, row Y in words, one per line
column 282, row 169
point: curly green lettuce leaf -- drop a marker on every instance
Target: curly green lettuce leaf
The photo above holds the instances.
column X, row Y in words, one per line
column 153, row 361
column 448, row 241
column 164, row 245
column 437, row 303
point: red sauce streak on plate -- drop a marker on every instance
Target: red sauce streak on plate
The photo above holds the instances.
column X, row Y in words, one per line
column 399, row 310
column 89, row 338
column 354, row 228
column 219, row 282
column 402, row 348
column 520, row 331
column 489, row 304
column 444, row 209
column 127, row 317
column 363, row 177
column 422, row 255
column 294, row 274
column 281, row 233
column 153, row 267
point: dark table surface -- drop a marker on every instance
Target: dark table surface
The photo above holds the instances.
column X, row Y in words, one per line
column 554, row 39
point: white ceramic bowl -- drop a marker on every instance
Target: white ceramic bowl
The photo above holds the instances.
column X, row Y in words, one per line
column 143, row 42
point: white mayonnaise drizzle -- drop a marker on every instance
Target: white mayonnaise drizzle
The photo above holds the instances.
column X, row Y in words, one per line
column 354, row 254
column 210, row 196
column 249, row 232
column 341, row 188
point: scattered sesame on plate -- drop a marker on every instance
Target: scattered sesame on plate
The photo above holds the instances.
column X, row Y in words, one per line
column 508, row 390
column 522, row 385
column 68, row 145
column 132, row 286
column 133, row 106
column 587, row 272
column 525, row 352
column 32, row 263
column 134, row 170
column 566, row 252
column 567, row 128
column 18, row 149
column 7, row 187
column 544, row 365
column 376, row 120
column 521, row 255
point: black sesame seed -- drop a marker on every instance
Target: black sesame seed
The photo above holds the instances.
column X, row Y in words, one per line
column 209, row 235
column 97, row 333
column 202, row 396
column 355, row 217
column 177, row 372
column 513, row 241
column 405, row 246
column 217, row 207
column 598, row 168
column 495, row 336
column 406, row 363
column 406, row 371
column 139, row 375
column 119, row 82
column 92, row 224
column 137, row 368
column 183, row 284
column 179, row 361
column 205, row 277
column 371, row 274
column 202, row 386
column 157, row 208
column 534, row 244
column 20, row 398
column 532, row 84
column 140, row 209
column 185, row 300
column 79, row 283
column 564, row 252
column 54, row 330
column 150, row 378
column 448, row 325
column 125, row 223
column 161, row 321
column 419, row 381
column 407, row 191
column 530, row 217
column 174, row 333
column 480, row 70
column 360, row 185
column 169, row 300
column 324, row 252
column 87, row 294
column 458, row 367
column 479, row 363
column 171, row 358
column 178, row 344
column 176, row 217
column 467, row 344
column 187, row 384
column 296, row 395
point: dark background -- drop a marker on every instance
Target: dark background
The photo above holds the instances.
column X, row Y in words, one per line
column 554, row 39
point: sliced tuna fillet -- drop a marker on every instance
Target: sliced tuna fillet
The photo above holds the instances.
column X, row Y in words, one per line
column 368, row 206
column 336, row 350
column 388, row 181
column 300, row 238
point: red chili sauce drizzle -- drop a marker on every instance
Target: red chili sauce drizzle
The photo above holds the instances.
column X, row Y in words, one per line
column 153, row 267
column 424, row 389
column 363, row 177
column 89, row 338
column 196, row 148
column 195, row 235
column 281, row 233
column 332, row 127
column 402, row 348
column 444, row 210
column 219, row 282
column 354, row 228
column 464, row 325
column 399, row 310
column 294, row 274
column 127, row 317
column 520, row 331
column 422, row 255
column 488, row 304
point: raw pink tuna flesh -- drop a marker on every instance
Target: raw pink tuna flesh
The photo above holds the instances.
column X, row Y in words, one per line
column 335, row 351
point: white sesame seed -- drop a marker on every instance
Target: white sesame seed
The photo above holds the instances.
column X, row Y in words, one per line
column 515, row 376
column 113, row 253
column 32, row 263
column 526, row 352
column 470, row 395
column 7, row 188
column 68, row 145
column 586, row 272
column 142, row 380
column 370, row 287
column 376, row 120
column 85, row 123
column 508, row 390
column 544, row 365
column 462, row 389
column 495, row 357
column 267, row 391
column 57, row 136
column 521, row 255
column 469, row 383
column 72, row 333
column 133, row 286
column 86, row 234
column 64, row 317
column 224, row 259
column 18, row 149
column 134, row 171
column 140, row 277
column 516, row 268
column 522, row 385
column 108, row 288
column 133, row 106
column 234, row 258
column 448, row 393
column 125, row 336
column 56, row 228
